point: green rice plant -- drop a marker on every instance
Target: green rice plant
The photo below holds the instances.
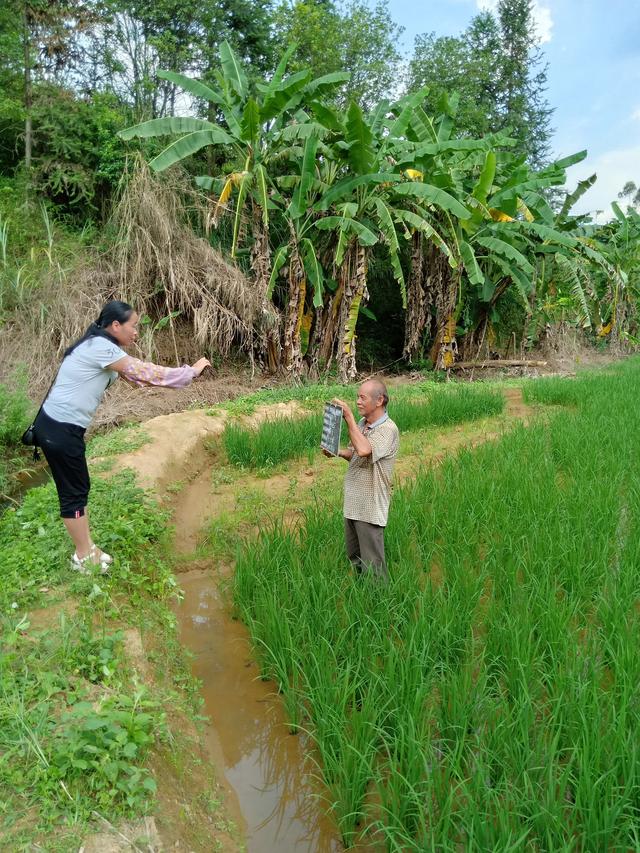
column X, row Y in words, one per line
column 449, row 406
column 501, row 660
column 279, row 439
column 273, row 442
column 554, row 391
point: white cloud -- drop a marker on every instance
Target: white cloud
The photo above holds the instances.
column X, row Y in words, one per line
column 613, row 168
column 541, row 16
column 635, row 115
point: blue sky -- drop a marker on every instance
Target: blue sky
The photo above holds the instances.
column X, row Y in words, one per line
column 593, row 51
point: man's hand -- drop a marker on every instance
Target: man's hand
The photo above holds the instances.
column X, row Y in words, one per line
column 347, row 414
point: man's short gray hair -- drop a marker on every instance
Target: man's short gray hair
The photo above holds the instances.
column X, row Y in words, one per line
column 378, row 389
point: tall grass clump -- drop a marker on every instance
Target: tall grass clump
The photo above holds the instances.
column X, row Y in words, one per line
column 273, row 442
column 445, row 408
column 487, row 697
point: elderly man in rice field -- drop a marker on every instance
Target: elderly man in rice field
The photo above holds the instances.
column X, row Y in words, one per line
column 371, row 454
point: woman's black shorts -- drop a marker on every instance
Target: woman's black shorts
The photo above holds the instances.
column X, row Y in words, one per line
column 64, row 450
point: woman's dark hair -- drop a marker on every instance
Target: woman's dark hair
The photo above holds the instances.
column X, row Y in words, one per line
column 114, row 310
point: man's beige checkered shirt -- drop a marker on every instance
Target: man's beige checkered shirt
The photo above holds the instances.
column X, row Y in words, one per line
column 367, row 484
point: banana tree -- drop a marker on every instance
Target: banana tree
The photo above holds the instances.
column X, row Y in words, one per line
column 365, row 207
column 299, row 254
column 486, row 256
column 251, row 121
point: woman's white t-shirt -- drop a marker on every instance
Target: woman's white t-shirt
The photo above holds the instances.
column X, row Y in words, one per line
column 82, row 381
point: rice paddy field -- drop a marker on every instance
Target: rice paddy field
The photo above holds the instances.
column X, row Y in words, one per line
column 414, row 407
column 488, row 697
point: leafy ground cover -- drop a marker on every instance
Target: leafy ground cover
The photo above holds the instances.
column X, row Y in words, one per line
column 487, row 698
column 78, row 726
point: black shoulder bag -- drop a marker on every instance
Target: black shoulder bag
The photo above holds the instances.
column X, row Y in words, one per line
column 29, row 435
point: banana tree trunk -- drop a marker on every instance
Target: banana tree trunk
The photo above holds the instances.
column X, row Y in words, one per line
column 268, row 342
column 418, row 317
column 291, row 346
column 442, row 286
column 354, row 270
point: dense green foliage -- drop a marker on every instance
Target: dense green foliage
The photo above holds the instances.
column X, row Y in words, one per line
column 341, row 182
column 487, row 696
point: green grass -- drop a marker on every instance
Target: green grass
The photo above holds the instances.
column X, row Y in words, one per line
column 124, row 439
column 414, row 408
column 75, row 727
column 487, row 698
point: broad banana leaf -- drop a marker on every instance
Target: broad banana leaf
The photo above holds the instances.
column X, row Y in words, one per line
column 421, row 224
column 194, row 87
column 511, row 192
column 281, row 98
column 448, row 106
column 250, row 121
column 326, row 115
column 580, row 190
column 359, row 138
column 565, row 162
column 391, row 238
column 313, row 269
column 522, row 283
column 431, row 149
column 378, row 115
column 550, row 235
column 409, row 105
column 471, row 264
column 569, row 275
column 167, row 126
column 233, row 70
column 346, row 187
column 276, row 266
column 619, row 214
column 365, row 236
column 299, row 205
column 298, row 131
column 278, row 74
column 326, row 83
column 434, row 195
column 421, row 126
column 539, row 207
column 485, row 181
column 505, row 250
column 188, row 145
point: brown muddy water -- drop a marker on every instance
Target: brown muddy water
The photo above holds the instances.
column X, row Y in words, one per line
column 278, row 801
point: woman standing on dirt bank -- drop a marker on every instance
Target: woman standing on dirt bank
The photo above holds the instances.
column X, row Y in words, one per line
column 89, row 366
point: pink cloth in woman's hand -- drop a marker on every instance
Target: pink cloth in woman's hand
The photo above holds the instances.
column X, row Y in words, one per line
column 145, row 373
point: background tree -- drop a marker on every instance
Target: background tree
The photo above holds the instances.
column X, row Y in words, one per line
column 630, row 193
column 333, row 36
column 496, row 67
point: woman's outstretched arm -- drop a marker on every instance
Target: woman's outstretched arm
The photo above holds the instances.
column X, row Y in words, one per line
column 145, row 373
